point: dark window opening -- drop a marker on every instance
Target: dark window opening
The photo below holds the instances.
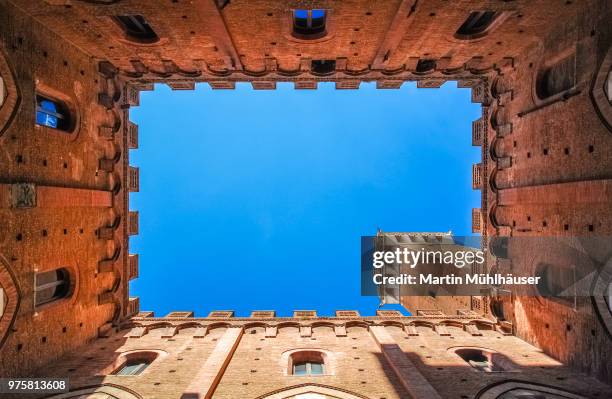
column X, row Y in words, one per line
column 476, row 24
column 136, row 28
column 133, row 367
column 425, row 66
column 309, row 24
column 323, row 66
column 53, row 113
column 51, row 286
column 479, row 359
column 557, row 78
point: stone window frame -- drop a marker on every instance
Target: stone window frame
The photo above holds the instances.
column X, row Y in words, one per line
column 602, row 105
column 287, row 361
column 68, row 101
column 152, row 355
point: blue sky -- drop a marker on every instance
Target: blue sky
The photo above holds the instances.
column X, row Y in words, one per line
column 256, row 200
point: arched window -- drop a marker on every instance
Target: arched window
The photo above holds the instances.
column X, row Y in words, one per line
column 607, row 87
column 3, row 93
column 483, row 360
column 477, row 24
column 136, row 28
column 307, row 363
column 309, row 24
column 51, row 286
column 425, row 66
column 133, row 366
column 2, row 301
column 556, row 283
column 53, row 113
column 557, row 78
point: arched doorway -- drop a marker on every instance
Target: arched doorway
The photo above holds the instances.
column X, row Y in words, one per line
column 312, row 391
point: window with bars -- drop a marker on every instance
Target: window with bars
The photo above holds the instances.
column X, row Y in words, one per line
column 53, row 113
column 136, row 28
column 477, row 24
column 51, row 286
column 309, row 24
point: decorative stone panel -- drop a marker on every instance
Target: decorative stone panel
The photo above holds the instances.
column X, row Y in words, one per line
column 181, row 84
column 304, row 314
column 388, row 313
column 430, row 83
column 260, row 314
column 216, row 85
column 132, row 135
column 477, row 132
column 263, row 85
column 432, row 312
column 133, row 305
column 221, row 314
column 477, row 176
column 180, row 315
column 23, row 195
column 476, row 220
column 347, row 313
column 305, row 84
column 348, row 84
column 133, row 96
column 133, row 223
column 134, row 179
column 478, row 94
column 132, row 266
column 389, row 84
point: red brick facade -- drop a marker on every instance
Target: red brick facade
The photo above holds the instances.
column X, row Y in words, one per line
column 545, row 170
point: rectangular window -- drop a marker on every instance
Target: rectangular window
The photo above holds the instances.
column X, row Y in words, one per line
column 299, row 369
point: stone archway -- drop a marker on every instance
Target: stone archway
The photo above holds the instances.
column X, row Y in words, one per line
column 312, row 391
column 9, row 301
column 98, row 392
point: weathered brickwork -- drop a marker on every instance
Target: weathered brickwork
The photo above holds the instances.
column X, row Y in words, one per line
column 545, row 170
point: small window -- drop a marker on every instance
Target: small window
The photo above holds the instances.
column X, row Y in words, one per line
column 477, row 24
column 307, row 363
column 323, row 67
column 51, row 286
column 557, row 78
column 308, row 368
column 53, row 113
column 133, row 367
column 607, row 87
column 136, row 28
column 425, row 66
column 309, row 24
column 481, row 360
column 2, row 92
column 2, row 301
